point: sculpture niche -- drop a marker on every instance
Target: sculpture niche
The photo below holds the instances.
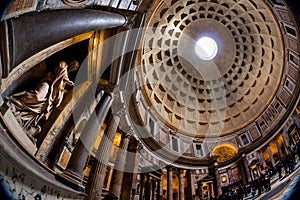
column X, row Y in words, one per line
column 29, row 107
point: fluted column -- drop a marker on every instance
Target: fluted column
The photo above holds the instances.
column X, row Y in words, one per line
column 245, row 163
column 117, row 178
column 142, row 178
column 147, row 187
column 98, row 171
column 136, row 165
column 159, row 189
column 218, row 190
column 54, row 151
column 243, row 172
column 212, row 189
column 190, row 186
column 262, row 158
column 252, row 175
column 199, row 188
column 286, row 140
column 129, row 185
column 169, row 183
column 271, row 156
column 279, row 149
column 153, row 183
column 181, row 184
column 285, row 146
column 84, row 145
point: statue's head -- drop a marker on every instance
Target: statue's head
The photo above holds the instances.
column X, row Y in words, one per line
column 62, row 64
column 73, row 66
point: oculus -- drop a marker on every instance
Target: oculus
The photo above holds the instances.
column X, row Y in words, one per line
column 206, row 48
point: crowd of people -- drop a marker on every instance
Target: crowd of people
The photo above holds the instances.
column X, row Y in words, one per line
column 255, row 188
column 263, row 183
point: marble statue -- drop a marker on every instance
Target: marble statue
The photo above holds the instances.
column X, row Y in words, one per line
column 29, row 107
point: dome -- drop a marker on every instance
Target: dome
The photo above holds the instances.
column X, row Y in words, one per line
column 206, row 48
column 168, row 99
column 218, row 96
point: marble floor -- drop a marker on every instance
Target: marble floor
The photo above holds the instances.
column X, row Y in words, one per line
column 285, row 188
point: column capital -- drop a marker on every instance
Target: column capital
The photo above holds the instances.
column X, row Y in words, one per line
column 153, row 180
column 107, row 87
column 191, row 171
column 169, row 182
column 118, row 109
column 126, row 135
column 179, row 170
column 276, row 139
column 260, row 150
column 127, row 131
column 169, row 167
column 130, row 19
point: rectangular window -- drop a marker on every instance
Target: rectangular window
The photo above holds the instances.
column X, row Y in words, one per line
column 289, row 85
column 151, row 126
column 290, row 30
column 174, row 144
column 244, row 139
column 199, row 150
column 294, row 59
column 278, row 2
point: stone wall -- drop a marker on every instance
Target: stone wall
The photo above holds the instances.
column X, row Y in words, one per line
column 17, row 184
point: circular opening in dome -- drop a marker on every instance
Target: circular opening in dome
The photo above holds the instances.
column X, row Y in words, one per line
column 206, row 48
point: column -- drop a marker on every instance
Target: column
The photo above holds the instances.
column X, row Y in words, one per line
column 158, row 189
column 285, row 147
column 212, row 188
column 271, row 156
column 251, row 173
column 169, row 183
column 142, row 177
column 84, row 145
column 136, row 165
column 246, row 168
column 54, row 151
column 199, row 190
column 98, row 171
column 286, row 140
column 243, row 171
column 147, row 187
column 117, row 177
column 279, row 149
column 262, row 158
column 129, row 185
column 190, row 186
column 153, row 184
column 218, row 190
column 181, row 184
